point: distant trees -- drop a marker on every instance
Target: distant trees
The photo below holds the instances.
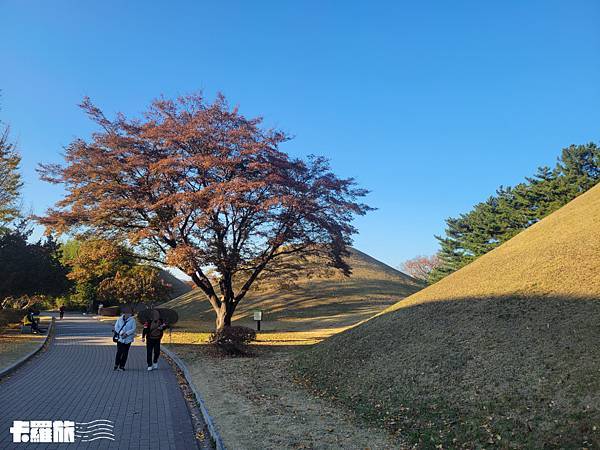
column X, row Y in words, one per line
column 138, row 284
column 10, row 179
column 30, row 269
column 109, row 272
column 420, row 267
column 513, row 209
column 90, row 262
column 199, row 186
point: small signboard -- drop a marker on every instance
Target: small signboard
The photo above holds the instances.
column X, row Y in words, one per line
column 257, row 315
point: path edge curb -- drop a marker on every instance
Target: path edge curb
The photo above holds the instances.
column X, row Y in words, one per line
column 212, row 429
column 14, row 366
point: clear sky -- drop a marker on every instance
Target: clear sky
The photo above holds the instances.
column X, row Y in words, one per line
column 430, row 105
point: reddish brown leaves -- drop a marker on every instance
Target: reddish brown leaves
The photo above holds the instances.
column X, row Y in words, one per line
column 200, row 186
column 420, row 267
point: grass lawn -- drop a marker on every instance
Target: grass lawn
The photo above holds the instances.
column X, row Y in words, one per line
column 503, row 353
column 313, row 309
column 255, row 401
column 14, row 345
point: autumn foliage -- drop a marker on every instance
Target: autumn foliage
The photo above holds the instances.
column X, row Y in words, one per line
column 421, row 266
column 198, row 186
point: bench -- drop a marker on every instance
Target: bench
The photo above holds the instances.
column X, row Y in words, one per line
column 26, row 327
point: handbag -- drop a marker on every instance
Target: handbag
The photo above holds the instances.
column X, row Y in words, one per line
column 117, row 333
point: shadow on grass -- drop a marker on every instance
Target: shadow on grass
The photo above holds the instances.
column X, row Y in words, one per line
column 318, row 305
column 501, row 371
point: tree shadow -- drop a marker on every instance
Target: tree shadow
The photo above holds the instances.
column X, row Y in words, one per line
column 524, row 364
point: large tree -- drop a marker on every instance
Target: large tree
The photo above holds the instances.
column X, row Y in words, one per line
column 199, row 186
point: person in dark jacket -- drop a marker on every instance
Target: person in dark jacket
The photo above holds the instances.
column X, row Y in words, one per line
column 152, row 333
column 62, row 311
column 32, row 321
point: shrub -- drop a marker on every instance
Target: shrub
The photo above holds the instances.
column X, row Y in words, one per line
column 233, row 340
column 8, row 316
column 71, row 303
column 36, row 302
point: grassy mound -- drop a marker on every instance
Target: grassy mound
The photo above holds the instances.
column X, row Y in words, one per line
column 177, row 286
column 323, row 304
column 503, row 353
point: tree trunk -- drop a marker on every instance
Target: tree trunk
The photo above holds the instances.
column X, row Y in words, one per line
column 224, row 315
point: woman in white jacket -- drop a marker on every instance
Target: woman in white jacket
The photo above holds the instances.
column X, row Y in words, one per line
column 124, row 330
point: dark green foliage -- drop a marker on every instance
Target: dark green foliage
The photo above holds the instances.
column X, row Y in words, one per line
column 8, row 316
column 512, row 209
column 30, row 269
column 233, row 340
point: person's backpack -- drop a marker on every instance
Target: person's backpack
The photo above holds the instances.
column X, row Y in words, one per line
column 155, row 331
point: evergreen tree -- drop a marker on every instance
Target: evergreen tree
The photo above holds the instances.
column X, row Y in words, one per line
column 30, row 269
column 10, row 180
column 512, row 209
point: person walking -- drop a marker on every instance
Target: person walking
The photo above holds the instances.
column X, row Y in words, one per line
column 152, row 333
column 124, row 332
column 61, row 310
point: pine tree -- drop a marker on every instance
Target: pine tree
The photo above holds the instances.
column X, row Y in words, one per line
column 512, row 209
column 10, row 180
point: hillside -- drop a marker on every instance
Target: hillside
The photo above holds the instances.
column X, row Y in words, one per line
column 177, row 286
column 502, row 353
column 323, row 304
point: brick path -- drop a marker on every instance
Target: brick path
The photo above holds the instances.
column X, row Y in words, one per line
column 74, row 380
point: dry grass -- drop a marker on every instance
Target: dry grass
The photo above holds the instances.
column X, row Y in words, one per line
column 269, row 338
column 254, row 401
column 14, row 345
column 503, row 353
column 311, row 310
column 257, row 405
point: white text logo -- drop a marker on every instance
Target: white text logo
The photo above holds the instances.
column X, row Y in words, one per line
column 61, row 431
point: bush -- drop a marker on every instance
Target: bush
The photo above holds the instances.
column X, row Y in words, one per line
column 40, row 304
column 8, row 316
column 71, row 303
column 37, row 302
column 233, row 340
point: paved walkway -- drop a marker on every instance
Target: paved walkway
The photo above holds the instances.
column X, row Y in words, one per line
column 74, row 380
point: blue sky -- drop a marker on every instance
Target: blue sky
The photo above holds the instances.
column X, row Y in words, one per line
column 430, row 105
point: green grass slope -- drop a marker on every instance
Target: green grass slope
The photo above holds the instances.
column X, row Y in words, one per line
column 325, row 303
column 504, row 353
